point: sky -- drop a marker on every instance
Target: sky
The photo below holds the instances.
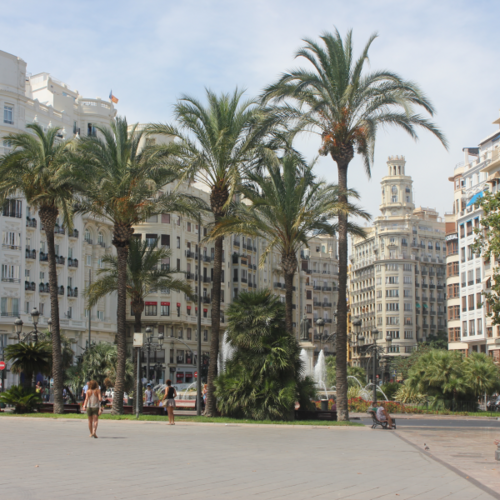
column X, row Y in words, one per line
column 152, row 52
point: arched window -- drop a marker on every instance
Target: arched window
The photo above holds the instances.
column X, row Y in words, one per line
column 88, row 235
column 100, row 238
column 394, row 190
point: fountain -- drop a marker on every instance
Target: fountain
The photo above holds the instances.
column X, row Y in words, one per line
column 225, row 354
column 320, row 372
column 364, row 392
column 305, row 363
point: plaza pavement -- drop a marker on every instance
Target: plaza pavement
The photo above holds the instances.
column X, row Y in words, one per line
column 45, row 459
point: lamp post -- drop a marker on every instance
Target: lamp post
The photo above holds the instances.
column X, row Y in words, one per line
column 375, row 350
column 35, row 316
column 356, row 337
column 320, row 323
column 151, row 345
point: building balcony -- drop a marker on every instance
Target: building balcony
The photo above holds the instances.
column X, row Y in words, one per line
column 8, row 279
column 88, row 240
column 11, row 247
column 31, row 223
column 207, row 279
column 316, row 287
column 60, row 261
column 60, row 290
column 30, row 254
column 29, row 286
column 189, row 254
column 74, row 233
column 72, row 292
column 44, row 288
column 59, row 230
column 72, row 262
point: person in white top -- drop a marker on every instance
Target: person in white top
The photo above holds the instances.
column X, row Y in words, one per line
column 93, row 403
column 383, row 416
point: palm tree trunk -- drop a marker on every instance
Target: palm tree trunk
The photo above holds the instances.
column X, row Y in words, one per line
column 137, row 373
column 288, row 302
column 214, row 341
column 121, row 331
column 48, row 217
column 341, row 343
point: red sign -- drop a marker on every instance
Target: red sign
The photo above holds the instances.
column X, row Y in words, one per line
column 2, row 365
column 205, row 310
column 165, row 303
column 195, row 374
column 151, row 303
column 178, row 304
column 189, row 307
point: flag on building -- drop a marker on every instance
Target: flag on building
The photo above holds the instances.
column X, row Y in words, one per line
column 112, row 98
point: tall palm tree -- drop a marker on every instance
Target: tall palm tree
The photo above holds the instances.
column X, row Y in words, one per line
column 122, row 184
column 29, row 358
column 346, row 105
column 288, row 208
column 39, row 168
column 214, row 144
column 145, row 274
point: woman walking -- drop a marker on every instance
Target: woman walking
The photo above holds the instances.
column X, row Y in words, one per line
column 93, row 403
column 169, row 401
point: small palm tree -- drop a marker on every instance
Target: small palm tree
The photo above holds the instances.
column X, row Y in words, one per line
column 145, row 274
column 288, row 207
column 346, row 106
column 22, row 399
column 39, row 168
column 122, row 184
column 215, row 143
column 29, row 358
column 265, row 376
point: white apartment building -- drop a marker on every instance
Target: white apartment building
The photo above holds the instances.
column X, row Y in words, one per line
column 40, row 98
column 479, row 172
column 397, row 276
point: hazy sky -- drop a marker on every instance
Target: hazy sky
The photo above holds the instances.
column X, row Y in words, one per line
column 150, row 52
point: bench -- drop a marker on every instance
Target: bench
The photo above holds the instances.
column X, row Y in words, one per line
column 146, row 410
column 185, row 403
column 380, row 423
column 315, row 415
column 68, row 408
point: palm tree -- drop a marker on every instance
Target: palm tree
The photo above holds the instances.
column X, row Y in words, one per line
column 29, row 358
column 346, row 105
column 122, row 184
column 38, row 167
column 288, row 208
column 145, row 274
column 265, row 375
column 215, row 142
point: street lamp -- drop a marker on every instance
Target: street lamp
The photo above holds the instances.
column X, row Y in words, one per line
column 375, row 351
column 151, row 345
column 18, row 323
column 320, row 323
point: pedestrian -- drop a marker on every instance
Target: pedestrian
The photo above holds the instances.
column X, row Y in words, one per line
column 383, row 416
column 85, row 389
column 204, row 396
column 169, row 401
column 93, row 403
column 149, row 395
column 38, row 388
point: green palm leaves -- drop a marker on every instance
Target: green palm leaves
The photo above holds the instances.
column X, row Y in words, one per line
column 264, row 378
column 29, row 358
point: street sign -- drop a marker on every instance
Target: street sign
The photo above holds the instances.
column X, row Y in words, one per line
column 138, row 340
column 2, row 365
column 195, row 374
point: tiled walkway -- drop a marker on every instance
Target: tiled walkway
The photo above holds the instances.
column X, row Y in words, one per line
column 55, row 459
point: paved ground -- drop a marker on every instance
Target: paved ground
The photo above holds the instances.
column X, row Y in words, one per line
column 55, row 459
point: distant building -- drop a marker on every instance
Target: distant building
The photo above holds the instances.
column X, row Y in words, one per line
column 479, row 172
column 397, row 278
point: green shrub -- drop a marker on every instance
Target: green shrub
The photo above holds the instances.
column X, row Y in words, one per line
column 264, row 378
column 390, row 389
column 23, row 400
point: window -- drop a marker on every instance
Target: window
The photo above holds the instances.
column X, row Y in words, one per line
column 391, row 267
column 165, row 309
column 408, row 320
column 165, row 218
column 407, row 293
column 464, row 303
column 464, row 328
column 89, row 260
column 10, row 273
column 392, row 306
column 472, row 327
column 452, row 269
column 100, row 315
column 178, row 242
column 408, row 306
column 205, row 335
column 462, row 254
column 392, row 320
column 91, row 130
column 393, row 334
column 408, row 334
column 471, row 302
column 151, row 309
column 407, row 280
column 12, row 208
column 188, row 333
column 392, row 293
column 393, row 280
column 189, row 227
column 478, row 275
column 407, row 267
column 165, row 240
column 8, row 114
column 479, row 326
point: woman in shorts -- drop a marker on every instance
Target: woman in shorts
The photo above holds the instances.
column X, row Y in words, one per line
column 93, row 404
column 169, row 401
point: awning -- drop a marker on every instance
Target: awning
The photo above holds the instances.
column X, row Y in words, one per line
column 165, row 303
column 475, row 198
column 425, row 305
column 417, row 304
